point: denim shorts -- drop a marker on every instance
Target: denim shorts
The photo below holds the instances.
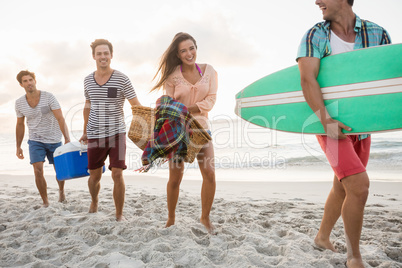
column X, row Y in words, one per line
column 39, row 150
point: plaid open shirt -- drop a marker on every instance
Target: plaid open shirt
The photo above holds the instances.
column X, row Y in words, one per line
column 171, row 134
column 316, row 41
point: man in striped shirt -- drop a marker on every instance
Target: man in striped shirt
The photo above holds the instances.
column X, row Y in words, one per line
column 104, row 127
column 342, row 31
column 45, row 123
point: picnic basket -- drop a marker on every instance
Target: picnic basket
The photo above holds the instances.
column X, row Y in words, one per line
column 142, row 127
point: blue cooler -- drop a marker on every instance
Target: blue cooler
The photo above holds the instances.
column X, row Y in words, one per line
column 71, row 161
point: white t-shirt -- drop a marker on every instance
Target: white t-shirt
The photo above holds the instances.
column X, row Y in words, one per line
column 339, row 46
column 42, row 125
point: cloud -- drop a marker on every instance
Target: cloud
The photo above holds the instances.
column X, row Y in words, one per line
column 62, row 65
column 217, row 42
column 56, row 65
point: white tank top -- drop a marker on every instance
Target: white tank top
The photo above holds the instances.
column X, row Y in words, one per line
column 340, row 46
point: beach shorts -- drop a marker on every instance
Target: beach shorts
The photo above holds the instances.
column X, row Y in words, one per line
column 114, row 147
column 346, row 157
column 39, row 150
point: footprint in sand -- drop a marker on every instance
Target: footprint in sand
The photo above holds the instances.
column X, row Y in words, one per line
column 198, row 232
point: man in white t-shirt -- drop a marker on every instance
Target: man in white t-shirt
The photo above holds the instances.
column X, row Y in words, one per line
column 46, row 125
column 348, row 155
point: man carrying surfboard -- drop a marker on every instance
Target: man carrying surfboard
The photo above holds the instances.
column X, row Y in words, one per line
column 348, row 155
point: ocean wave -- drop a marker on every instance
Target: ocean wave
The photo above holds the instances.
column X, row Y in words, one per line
column 397, row 156
column 386, row 145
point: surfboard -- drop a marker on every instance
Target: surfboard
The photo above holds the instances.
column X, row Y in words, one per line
column 361, row 88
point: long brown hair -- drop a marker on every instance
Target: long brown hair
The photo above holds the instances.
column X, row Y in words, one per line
column 170, row 60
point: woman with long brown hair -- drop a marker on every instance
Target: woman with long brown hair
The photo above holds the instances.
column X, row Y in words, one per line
column 194, row 85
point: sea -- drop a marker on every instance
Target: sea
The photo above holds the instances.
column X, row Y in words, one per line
column 242, row 149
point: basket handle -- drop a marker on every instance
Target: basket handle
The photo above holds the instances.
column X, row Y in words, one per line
column 200, row 128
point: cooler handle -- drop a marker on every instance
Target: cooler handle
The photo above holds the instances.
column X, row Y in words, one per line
column 82, row 148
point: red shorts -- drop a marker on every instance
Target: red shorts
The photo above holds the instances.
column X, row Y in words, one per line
column 346, row 157
column 99, row 149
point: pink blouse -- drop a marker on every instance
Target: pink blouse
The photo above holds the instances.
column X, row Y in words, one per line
column 202, row 93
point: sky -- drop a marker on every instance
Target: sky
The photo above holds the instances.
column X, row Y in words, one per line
column 243, row 40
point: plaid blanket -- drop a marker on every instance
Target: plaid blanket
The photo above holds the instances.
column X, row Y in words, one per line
column 171, row 133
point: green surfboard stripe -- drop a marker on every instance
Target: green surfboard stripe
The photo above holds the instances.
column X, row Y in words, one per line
column 373, row 109
column 364, row 65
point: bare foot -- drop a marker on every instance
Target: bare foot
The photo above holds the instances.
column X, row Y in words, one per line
column 324, row 244
column 93, row 208
column 355, row 263
column 62, row 196
column 45, row 202
column 169, row 222
column 121, row 218
column 208, row 225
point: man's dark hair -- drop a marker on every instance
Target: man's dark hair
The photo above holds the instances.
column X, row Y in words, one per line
column 350, row 2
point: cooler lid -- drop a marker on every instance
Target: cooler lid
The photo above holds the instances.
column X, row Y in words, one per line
column 70, row 147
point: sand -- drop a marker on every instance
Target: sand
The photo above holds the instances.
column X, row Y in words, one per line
column 259, row 224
